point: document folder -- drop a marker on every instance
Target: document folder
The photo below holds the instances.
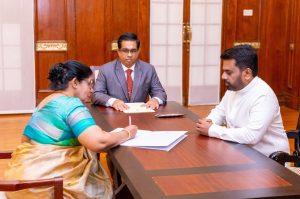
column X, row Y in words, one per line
column 158, row 140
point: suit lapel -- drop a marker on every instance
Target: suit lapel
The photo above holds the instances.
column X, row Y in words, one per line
column 137, row 78
column 121, row 78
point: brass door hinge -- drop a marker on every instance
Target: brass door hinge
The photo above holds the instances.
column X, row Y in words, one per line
column 186, row 33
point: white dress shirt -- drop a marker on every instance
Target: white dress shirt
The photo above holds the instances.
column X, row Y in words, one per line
column 252, row 116
column 111, row 101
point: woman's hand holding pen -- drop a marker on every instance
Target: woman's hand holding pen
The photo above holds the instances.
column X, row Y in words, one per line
column 131, row 129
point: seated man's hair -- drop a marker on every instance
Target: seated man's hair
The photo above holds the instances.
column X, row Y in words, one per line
column 245, row 56
column 128, row 36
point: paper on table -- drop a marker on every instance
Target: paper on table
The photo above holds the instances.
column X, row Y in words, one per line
column 165, row 148
column 159, row 140
column 139, row 107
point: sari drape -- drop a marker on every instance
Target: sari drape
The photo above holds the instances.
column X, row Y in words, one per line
column 83, row 175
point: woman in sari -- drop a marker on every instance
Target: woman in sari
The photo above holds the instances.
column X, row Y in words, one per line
column 61, row 139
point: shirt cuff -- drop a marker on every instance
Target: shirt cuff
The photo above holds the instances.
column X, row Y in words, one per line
column 213, row 131
column 110, row 102
column 159, row 100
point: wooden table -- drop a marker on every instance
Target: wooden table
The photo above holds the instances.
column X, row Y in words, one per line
column 198, row 167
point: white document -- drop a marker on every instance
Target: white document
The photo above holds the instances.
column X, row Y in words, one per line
column 165, row 148
column 139, row 107
column 159, row 140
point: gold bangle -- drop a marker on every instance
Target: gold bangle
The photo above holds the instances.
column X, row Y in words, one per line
column 129, row 133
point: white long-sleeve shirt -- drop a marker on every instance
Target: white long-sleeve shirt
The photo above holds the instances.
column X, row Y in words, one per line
column 252, row 116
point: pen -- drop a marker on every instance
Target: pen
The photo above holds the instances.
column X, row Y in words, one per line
column 129, row 120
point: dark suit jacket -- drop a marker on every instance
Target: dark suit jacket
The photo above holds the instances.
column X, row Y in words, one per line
column 111, row 82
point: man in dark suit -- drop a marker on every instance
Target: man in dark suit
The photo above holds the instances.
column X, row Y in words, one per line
column 128, row 79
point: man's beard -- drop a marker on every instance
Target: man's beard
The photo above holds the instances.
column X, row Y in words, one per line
column 236, row 86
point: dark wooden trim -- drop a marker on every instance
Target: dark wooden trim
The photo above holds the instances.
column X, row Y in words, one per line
column 185, row 55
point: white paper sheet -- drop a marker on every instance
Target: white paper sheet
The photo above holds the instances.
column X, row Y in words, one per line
column 165, row 148
column 159, row 140
column 139, row 107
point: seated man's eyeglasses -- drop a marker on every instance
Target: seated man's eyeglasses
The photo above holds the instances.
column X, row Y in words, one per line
column 127, row 51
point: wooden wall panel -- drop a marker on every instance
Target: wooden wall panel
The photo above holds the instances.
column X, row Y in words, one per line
column 71, row 28
column 143, row 28
column 46, row 60
column 273, row 47
column 123, row 20
column 100, row 22
column 88, row 27
column 229, row 19
column 90, row 38
column 50, row 18
column 50, row 25
column 292, row 69
column 247, row 27
column 129, row 16
column 274, row 25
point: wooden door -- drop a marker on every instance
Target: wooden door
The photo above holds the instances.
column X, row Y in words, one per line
column 263, row 24
column 84, row 30
column 292, row 68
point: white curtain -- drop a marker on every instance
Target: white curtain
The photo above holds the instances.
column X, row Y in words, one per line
column 206, row 18
column 17, row 70
column 166, row 49
column 165, row 45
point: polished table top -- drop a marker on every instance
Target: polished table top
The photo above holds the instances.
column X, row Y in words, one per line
column 198, row 167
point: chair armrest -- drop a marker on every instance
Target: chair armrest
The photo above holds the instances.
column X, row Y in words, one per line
column 283, row 157
column 293, row 133
column 15, row 185
column 5, row 154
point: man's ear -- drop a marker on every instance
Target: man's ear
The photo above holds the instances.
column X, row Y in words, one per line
column 119, row 52
column 248, row 73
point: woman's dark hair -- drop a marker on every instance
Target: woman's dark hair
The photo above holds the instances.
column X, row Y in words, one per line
column 61, row 73
column 128, row 36
column 245, row 56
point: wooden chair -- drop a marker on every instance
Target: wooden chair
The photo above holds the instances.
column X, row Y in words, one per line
column 95, row 70
column 16, row 185
column 283, row 157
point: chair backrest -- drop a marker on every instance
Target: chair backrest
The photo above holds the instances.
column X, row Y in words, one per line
column 95, row 70
column 283, row 157
column 16, row 185
column 295, row 134
column 5, row 154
